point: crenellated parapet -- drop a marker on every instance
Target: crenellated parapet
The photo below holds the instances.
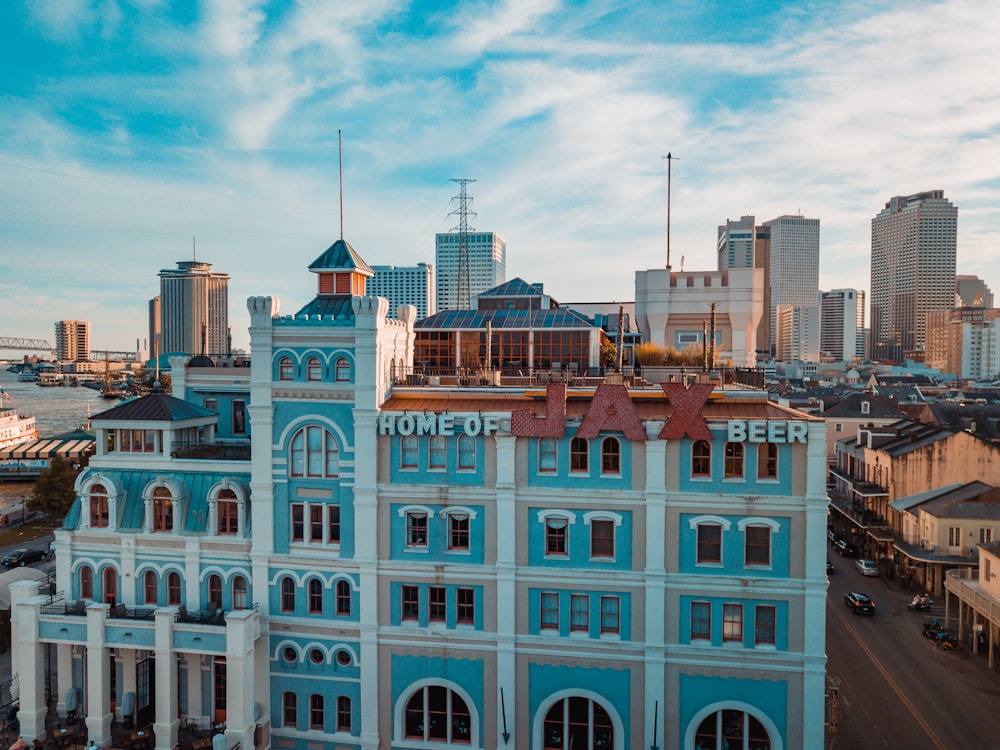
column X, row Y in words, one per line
column 262, row 308
column 370, row 312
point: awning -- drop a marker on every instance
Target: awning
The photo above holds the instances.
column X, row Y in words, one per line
column 47, row 448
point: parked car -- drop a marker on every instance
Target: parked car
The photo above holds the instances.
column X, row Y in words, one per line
column 832, row 536
column 860, row 603
column 866, row 567
column 22, row 556
column 846, row 549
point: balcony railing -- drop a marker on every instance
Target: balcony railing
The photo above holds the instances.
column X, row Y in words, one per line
column 217, row 451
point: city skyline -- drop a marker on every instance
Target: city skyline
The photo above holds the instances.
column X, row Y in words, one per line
column 224, row 130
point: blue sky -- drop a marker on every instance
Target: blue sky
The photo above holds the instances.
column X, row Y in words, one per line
column 133, row 129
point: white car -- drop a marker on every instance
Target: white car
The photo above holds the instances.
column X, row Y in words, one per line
column 866, row 567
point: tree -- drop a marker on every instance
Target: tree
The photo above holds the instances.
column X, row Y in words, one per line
column 54, row 492
column 609, row 353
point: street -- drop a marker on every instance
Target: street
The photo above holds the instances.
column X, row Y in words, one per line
column 897, row 690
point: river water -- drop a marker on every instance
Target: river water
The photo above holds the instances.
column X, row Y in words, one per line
column 57, row 410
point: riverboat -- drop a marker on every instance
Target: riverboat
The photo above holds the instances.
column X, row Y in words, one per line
column 16, row 428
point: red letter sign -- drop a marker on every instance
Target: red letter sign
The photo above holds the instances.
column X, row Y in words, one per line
column 611, row 410
column 687, row 418
column 552, row 425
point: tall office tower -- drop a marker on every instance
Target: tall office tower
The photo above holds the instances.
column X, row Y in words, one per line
column 969, row 288
column 405, row 285
column 155, row 331
column 194, row 309
column 794, row 264
column 487, row 266
column 842, row 324
column 762, row 259
column 912, row 271
column 72, row 341
column 736, row 243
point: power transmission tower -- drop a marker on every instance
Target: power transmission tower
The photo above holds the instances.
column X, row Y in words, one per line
column 463, row 228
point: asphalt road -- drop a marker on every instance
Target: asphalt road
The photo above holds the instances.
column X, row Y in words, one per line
column 897, row 690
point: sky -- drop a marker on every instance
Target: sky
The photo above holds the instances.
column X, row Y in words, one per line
column 138, row 133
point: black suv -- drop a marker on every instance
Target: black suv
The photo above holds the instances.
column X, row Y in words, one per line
column 23, row 556
column 860, row 603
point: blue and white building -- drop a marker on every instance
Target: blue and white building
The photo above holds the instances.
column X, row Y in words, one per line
column 311, row 554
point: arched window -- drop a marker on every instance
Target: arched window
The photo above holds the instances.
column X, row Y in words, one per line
column 163, row 510
column 547, row 455
column 98, row 507
column 286, row 369
column 730, row 728
column 577, row 723
column 214, row 591
column 466, row 452
column 343, row 598
column 611, row 456
column 734, row 461
column 227, row 512
column 173, row 588
column 314, row 370
column 316, row 711
column 578, row 454
column 110, row 586
column 342, row 370
column 437, row 714
column 315, row 453
column 86, row 582
column 287, row 594
column 767, row 461
column 315, row 596
column 701, row 459
column 149, row 586
column 239, row 592
column 289, row 709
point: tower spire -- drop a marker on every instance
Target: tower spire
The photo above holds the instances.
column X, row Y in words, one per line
column 464, row 276
column 340, row 152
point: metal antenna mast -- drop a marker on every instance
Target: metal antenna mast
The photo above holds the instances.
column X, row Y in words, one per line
column 669, row 159
column 464, row 276
column 340, row 152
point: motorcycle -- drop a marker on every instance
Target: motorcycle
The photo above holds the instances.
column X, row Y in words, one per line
column 920, row 603
column 948, row 642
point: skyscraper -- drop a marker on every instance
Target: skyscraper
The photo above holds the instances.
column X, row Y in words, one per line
column 793, row 263
column 487, row 266
column 912, row 270
column 742, row 244
column 194, row 309
column 72, row 341
column 842, row 324
column 405, row 285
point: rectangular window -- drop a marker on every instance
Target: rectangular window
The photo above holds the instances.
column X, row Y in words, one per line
column 239, row 417
column 701, row 459
column 954, row 536
column 333, row 523
column 298, row 522
column 466, row 452
column 437, row 608
column 579, row 450
column 602, row 538
column 546, row 455
column 555, row 536
column 343, row 714
column 734, row 461
column 458, row 531
column 709, row 543
column 758, row 545
column 764, row 624
column 610, row 614
column 227, row 512
column 98, row 511
column 416, row 529
column 550, row 611
column 579, row 613
column 466, row 606
column 767, row 461
column 316, row 711
column 732, row 622
column 411, row 603
column 701, row 620
column 316, row 524
column 408, row 451
column 985, row 536
column 289, row 710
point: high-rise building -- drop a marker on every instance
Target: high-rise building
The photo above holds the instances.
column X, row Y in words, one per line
column 793, row 263
column 194, row 309
column 405, row 285
column 735, row 245
column 912, row 271
column 842, row 324
column 72, row 341
column 797, row 333
column 486, row 254
column 964, row 342
column 972, row 288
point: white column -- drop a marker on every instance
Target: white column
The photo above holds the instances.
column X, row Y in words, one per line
column 506, row 566
column 98, row 693
column 194, row 705
column 655, row 575
column 26, row 655
column 242, row 633
column 366, row 556
column 165, row 721
column 64, row 676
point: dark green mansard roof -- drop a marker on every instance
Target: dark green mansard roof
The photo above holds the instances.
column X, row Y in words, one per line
column 329, row 306
column 340, row 256
column 156, row 407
